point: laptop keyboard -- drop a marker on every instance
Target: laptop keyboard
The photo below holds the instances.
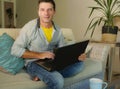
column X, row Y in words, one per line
column 47, row 64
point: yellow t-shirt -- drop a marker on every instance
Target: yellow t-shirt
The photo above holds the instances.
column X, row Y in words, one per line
column 48, row 33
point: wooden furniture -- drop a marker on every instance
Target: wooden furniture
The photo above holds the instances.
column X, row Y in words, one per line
column 111, row 58
column 117, row 62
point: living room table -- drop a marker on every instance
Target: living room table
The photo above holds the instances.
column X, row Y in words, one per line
column 111, row 87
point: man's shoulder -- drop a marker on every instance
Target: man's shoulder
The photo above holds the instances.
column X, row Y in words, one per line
column 29, row 27
column 32, row 22
column 57, row 27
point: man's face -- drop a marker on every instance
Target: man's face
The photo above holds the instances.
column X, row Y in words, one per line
column 46, row 12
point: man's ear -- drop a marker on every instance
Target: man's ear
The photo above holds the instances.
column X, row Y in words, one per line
column 54, row 12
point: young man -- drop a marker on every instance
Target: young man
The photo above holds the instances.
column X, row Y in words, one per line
column 36, row 41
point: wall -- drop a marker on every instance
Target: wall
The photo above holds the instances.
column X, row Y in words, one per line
column 74, row 14
column 26, row 10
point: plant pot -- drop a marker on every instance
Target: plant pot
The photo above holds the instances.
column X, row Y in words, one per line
column 109, row 34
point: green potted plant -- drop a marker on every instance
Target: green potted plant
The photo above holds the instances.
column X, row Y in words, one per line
column 108, row 9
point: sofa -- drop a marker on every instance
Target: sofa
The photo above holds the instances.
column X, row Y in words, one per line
column 95, row 65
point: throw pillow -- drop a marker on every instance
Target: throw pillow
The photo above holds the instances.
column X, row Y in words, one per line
column 8, row 62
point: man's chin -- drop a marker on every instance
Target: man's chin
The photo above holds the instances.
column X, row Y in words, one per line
column 46, row 21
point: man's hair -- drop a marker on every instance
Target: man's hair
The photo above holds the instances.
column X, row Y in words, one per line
column 48, row 1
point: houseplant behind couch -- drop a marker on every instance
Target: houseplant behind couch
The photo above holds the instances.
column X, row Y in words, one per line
column 108, row 9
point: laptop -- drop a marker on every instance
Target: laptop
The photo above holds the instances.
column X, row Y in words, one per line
column 64, row 56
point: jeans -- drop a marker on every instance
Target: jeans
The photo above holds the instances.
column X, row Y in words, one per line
column 54, row 79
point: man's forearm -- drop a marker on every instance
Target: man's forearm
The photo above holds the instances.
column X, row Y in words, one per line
column 31, row 54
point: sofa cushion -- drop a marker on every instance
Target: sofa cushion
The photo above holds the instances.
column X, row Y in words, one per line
column 91, row 68
column 8, row 62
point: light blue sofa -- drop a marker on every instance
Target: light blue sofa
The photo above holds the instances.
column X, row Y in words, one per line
column 94, row 67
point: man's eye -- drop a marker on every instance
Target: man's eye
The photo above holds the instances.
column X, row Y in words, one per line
column 41, row 9
column 50, row 9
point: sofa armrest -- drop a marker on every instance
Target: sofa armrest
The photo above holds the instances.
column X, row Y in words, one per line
column 99, row 53
column 13, row 32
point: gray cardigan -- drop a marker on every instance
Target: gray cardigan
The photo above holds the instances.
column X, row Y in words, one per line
column 31, row 38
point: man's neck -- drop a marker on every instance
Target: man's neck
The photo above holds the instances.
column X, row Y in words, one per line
column 46, row 25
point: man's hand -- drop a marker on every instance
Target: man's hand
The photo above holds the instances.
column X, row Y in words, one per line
column 48, row 55
column 82, row 57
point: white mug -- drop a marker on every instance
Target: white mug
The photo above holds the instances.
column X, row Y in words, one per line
column 96, row 83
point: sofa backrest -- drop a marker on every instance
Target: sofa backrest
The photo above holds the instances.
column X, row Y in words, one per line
column 11, row 31
column 14, row 32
